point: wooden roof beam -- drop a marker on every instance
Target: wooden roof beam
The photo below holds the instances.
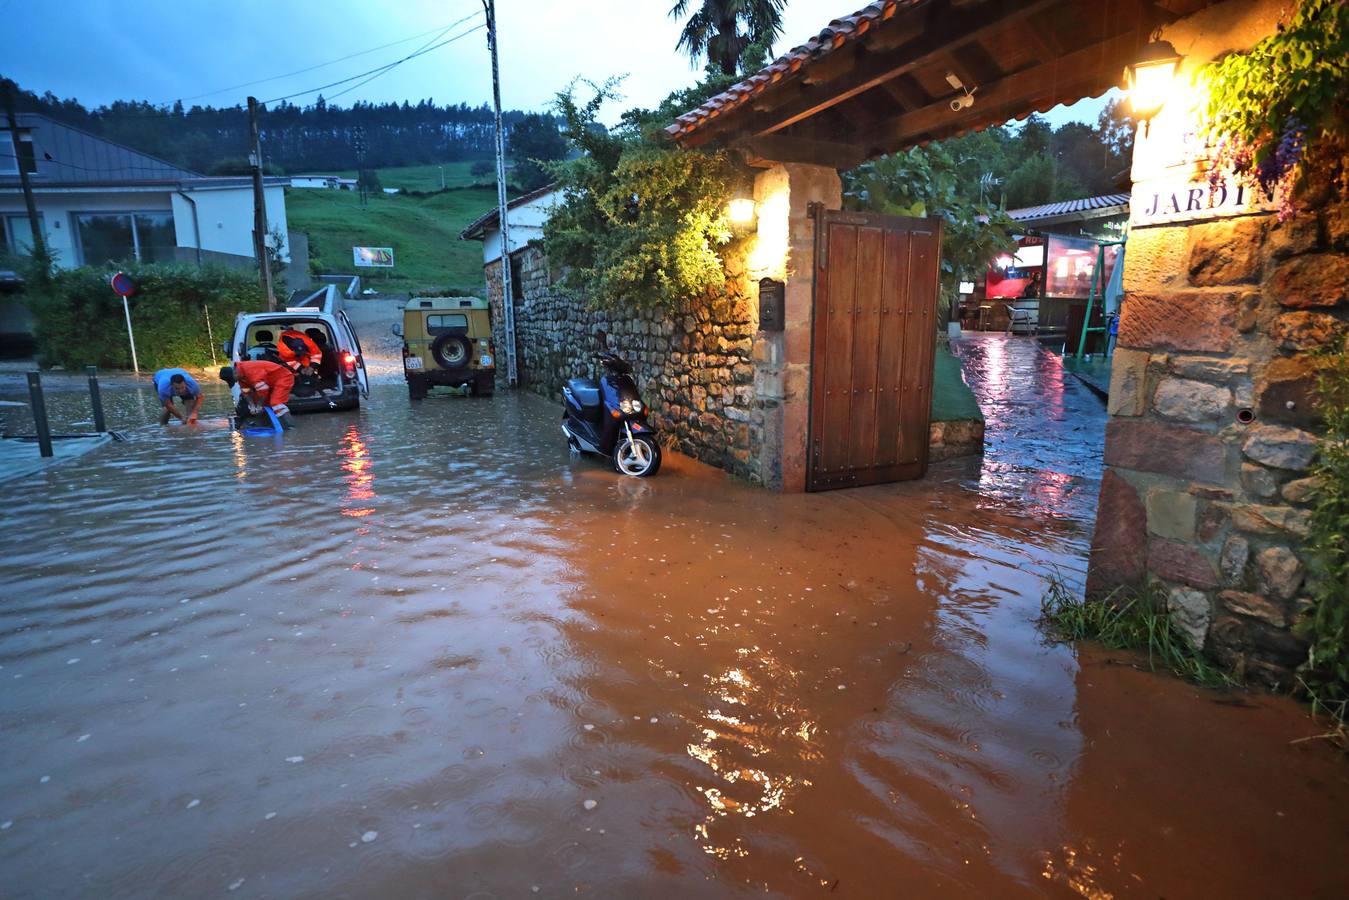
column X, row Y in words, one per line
column 1095, row 65
column 867, row 71
column 768, row 149
column 906, row 92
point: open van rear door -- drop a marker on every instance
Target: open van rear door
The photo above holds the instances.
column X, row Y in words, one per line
column 362, row 377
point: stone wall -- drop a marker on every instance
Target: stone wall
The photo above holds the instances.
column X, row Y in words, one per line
column 1214, row 424
column 1213, row 417
column 694, row 368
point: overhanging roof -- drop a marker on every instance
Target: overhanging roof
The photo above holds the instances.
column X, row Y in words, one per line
column 71, row 159
column 478, row 228
column 1080, row 210
column 877, row 81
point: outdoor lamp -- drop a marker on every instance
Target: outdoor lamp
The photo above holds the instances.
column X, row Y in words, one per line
column 741, row 210
column 1148, row 80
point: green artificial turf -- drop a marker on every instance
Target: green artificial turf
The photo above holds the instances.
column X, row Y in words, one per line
column 951, row 397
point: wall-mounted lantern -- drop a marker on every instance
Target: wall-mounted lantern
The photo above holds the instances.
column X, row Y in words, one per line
column 741, row 210
column 1148, row 80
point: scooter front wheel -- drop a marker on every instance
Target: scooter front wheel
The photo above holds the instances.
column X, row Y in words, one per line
column 638, row 457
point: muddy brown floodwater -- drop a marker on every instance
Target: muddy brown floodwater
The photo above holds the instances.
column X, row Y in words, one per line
column 416, row 651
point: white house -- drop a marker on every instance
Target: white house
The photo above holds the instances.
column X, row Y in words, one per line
column 525, row 217
column 101, row 202
column 314, row 181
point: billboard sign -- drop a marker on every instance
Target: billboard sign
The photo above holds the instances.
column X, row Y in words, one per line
column 373, row 257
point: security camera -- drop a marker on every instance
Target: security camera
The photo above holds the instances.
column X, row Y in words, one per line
column 965, row 101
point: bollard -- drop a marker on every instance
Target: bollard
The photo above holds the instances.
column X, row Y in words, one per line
column 44, row 434
column 96, row 398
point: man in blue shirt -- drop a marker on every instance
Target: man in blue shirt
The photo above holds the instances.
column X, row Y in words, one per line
column 170, row 383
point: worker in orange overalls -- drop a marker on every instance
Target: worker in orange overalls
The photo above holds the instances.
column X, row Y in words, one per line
column 262, row 383
column 298, row 351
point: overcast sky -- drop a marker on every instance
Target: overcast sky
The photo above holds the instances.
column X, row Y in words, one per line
column 163, row 50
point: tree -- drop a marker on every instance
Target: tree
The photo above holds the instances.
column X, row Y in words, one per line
column 714, row 29
column 535, row 141
column 642, row 223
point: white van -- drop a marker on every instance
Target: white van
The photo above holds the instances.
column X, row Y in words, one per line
column 342, row 380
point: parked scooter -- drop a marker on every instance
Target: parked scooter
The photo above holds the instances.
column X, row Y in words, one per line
column 608, row 417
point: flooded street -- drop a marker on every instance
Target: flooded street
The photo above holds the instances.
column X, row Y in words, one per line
column 417, row 651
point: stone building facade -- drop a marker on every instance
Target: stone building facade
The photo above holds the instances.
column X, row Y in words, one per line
column 1213, row 413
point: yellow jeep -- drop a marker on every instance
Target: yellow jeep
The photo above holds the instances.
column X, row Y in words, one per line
column 447, row 341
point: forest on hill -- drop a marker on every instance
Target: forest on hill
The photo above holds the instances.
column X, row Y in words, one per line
column 318, row 137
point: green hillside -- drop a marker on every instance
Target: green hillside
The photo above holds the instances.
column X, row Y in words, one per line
column 423, row 231
column 427, row 178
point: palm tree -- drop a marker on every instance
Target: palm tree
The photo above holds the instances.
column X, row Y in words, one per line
column 714, row 29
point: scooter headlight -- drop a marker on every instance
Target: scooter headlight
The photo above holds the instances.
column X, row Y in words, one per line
column 637, row 406
column 626, row 406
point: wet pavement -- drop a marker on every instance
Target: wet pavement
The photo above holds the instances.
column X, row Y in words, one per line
column 418, row 651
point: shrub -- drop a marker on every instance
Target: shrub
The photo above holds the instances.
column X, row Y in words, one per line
column 80, row 320
column 642, row 223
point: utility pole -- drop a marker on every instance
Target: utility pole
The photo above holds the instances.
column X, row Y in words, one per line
column 360, row 166
column 507, row 302
column 39, row 245
column 259, row 206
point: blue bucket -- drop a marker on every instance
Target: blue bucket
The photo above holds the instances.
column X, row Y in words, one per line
column 276, row 428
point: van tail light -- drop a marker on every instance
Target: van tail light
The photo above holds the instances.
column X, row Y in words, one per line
column 349, row 364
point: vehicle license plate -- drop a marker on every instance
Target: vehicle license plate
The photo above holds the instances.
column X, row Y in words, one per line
column 412, row 362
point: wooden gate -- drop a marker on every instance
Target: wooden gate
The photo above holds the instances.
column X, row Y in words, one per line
column 872, row 341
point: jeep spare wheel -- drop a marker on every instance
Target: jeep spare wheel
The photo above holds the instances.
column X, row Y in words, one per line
column 451, row 351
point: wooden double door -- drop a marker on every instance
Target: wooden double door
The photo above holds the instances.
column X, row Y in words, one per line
column 872, row 344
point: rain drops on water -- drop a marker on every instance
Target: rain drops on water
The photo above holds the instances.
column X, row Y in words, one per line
column 294, row 759
column 369, row 836
column 590, row 804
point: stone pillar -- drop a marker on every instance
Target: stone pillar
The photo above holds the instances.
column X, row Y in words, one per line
column 1212, row 419
column 785, row 250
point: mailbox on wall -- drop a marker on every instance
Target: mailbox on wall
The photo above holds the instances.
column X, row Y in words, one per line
column 772, row 304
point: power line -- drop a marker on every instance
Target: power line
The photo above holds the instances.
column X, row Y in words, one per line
column 235, row 87
column 382, row 69
column 424, row 47
column 378, row 70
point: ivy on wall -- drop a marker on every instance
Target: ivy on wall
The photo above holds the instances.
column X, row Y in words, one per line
column 1278, row 110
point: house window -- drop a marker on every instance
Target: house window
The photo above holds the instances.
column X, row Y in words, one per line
column 18, row 234
column 115, row 237
column 9, row 164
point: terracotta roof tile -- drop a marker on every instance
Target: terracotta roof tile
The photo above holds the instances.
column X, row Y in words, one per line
column 837, row 34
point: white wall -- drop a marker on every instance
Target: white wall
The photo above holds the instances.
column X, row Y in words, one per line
column 311, row 181
column 57, row 211
column 225, row 218
column 526, row 224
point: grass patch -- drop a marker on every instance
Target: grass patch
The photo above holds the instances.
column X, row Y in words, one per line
column 423, row 232
column 1136, row 621
column 427, row 177
column 952, row 398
